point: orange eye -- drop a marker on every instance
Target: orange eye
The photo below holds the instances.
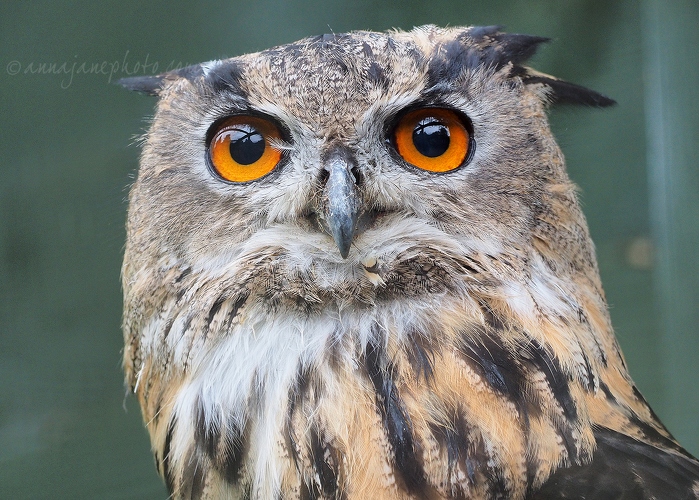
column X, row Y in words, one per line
column 432, row 139
column 241, row 151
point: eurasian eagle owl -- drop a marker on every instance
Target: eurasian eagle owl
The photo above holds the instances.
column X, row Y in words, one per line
column 356, row 268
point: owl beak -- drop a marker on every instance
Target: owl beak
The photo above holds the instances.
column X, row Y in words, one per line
column 341, row 200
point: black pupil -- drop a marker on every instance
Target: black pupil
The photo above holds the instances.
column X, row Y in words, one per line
column 431, row 137
column 247, row 144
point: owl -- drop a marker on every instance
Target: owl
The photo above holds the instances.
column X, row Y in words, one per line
column 356, row 268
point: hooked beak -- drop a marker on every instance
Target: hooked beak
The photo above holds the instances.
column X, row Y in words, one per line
column 341, row 207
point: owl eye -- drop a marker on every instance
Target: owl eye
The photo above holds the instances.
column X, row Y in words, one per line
column 433, row 139
column 241, row 148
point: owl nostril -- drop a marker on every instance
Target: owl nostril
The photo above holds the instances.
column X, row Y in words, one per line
column 356, row 173
column 323, row 177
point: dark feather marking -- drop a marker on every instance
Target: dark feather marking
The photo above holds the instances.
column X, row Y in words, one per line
column 535, row 354
column 607, row 393
column 469, row 269
column 341, row 64
column 569, row 441
column 224, row 445
column 193, row 479
column 158, row 407
column 590, row 379
column 459, row 446
column 167, row 473
column 296, row 395
column 206, row 436
column 397, row 423
column 627, row 469
column 373, row 269
column 227, row 77
column 376, row 75
column 456, row 443
column 306, row 493
column 671, row 442
column 497, row 484
column 158, row 463
column 187, row 324
column 491, row 319
column 239, row 302
column 516, row 48
column 474, row 265
column 216, row 306
column 420, row 356
column 186, row 272
column 506, row 371
column 334, row 349
column 533, row 466
column 324, row 463
column 235, row 442
column 497, row 365
column 655, row 436
column 197, row 479
column 477, row 459
column 168, row 327
column 247, row 492
column 466, row 450
column 451, row 59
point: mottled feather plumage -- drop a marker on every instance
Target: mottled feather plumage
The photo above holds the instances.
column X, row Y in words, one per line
column 463, row 349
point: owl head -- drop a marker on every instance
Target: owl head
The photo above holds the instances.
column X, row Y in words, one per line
column 365, row 165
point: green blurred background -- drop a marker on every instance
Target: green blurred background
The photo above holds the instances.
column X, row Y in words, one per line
column 67, row 155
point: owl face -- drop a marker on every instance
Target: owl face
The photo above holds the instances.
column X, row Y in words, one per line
column 345, row 183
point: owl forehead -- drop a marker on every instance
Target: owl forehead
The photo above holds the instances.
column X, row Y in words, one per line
column 324, row 78
column 330, row 79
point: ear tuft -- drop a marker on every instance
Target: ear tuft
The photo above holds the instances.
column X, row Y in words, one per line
column 500, row 49
column 562, row 92
column 149, row 85
column 517, row 48
column 497, row 49
column 153, row 85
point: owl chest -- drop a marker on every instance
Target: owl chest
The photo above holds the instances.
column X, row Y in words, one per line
column 288, row 404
